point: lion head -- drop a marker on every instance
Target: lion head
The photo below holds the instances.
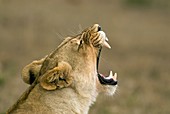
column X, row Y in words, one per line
column 78, row 54
column 82, row 53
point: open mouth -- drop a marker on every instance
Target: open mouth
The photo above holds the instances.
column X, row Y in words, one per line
column 105, row 80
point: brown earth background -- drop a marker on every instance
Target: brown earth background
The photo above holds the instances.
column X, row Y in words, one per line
column 138, row 31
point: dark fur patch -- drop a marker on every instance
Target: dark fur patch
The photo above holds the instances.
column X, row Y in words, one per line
column 32, row 77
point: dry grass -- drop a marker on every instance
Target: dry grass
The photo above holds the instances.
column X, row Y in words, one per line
column 140, row 48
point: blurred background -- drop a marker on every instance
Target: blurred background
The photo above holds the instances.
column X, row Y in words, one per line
column 138, row 31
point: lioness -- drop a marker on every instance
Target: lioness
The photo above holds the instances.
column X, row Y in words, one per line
column 66, row 81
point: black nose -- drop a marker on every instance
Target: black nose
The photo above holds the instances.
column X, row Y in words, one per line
column 99, row 28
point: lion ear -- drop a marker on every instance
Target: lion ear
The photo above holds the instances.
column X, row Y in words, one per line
column 57, row 78
column 30, row 72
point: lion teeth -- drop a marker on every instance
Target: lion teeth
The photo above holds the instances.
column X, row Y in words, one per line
column 106, row 39
column 106, row 44
column 115, row 77
column 110, row 75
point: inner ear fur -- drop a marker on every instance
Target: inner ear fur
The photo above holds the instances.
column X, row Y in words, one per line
column 57, row 78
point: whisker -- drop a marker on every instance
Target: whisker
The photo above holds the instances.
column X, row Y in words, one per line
column 60, row 36
column 71, row 32
column 80, row 28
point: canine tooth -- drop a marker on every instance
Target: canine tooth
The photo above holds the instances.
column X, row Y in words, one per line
column 106, row 45
column 110, row 75
column 115, row 76
column 106, row 39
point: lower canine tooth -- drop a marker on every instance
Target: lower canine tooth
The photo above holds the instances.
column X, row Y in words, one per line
column 106, row 39
column 110, row 75
column 115, row 76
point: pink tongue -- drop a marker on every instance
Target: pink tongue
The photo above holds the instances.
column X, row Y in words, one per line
column 102, row 75
column 105, row 76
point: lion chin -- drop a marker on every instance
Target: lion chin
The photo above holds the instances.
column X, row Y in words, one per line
column 67, row 81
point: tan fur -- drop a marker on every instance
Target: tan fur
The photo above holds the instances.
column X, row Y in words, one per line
column 66, row 80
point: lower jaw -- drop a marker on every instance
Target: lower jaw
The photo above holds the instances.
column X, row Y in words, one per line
column 105, row 81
